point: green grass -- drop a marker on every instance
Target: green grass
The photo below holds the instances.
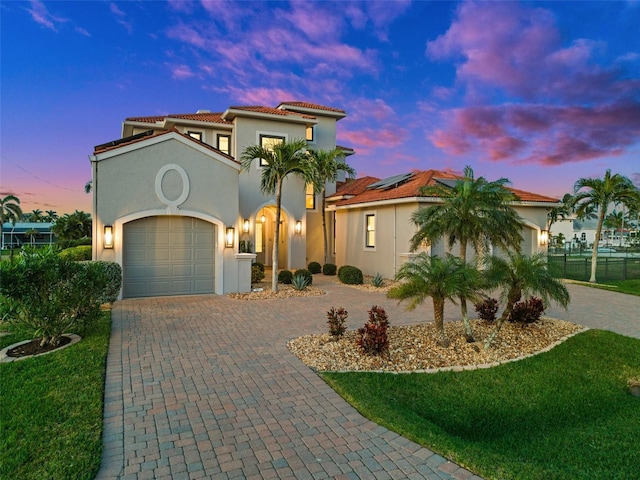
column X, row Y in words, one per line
column 51, row 410
column 627, row 286
column 565, row 414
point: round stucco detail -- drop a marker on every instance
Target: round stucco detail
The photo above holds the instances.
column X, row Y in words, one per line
column 172, row 204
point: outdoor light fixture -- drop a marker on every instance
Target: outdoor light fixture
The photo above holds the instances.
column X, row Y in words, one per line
column 108, row 236
column 245, row 226
column 544, row 237
column 298, row 227
column 263, row 218
column 228, row 238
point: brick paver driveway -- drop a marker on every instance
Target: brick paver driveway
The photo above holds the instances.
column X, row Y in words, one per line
column 204, row 387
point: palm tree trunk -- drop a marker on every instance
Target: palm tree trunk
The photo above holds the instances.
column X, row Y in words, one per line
column 596, row 242
column 463, row 301
column 513, row 297
column 324, row 227
column 276, row 237
column 438, row 313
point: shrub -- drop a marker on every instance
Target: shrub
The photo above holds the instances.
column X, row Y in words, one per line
column 112, row 273
column 372, row 338
column 45, row 295
column 259, row 265
column 64, row 244
column 306, row 274
column 329, row 269
column 257, row 273
column 337, row 322
column 377, row 281
column 527, row 311
column 299, row 281
column 81, row 252
column 487, row 309
column 285, row 276
column 350, row 275
column 314, row 267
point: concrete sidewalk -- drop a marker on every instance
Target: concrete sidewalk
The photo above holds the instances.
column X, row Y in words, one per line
column 205, row 387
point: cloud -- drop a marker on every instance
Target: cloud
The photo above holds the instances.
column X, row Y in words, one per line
column 121, row 17
column 41, row 15
column 256, row 96
column 368, row 139
column 181, row 72
column 552, row 103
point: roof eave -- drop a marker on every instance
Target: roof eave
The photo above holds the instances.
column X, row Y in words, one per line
column 231, row 113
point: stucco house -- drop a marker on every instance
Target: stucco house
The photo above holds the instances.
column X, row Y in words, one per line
column 171, row 200
column 373, row 228
column 172, row 207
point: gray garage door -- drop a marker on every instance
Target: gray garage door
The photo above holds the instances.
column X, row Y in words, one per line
column 168, row 256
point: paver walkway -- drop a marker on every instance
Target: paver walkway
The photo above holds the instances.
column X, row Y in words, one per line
column 204, row 387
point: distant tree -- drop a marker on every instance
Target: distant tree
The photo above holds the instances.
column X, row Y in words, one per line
column 88, row 186
column 37, row 216
column 32, row 235
column 520, row 275
column 281, row 160
column 327, row 164
column 599, row 193
column 474, row 212
column 50, row 216
column 441, row 279
column 73, row 226
column 561, row 212
column 10, row 211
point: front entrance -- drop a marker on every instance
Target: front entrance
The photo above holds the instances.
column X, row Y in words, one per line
column 265, row 226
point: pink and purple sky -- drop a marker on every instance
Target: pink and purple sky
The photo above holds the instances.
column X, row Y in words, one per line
column 539, row 92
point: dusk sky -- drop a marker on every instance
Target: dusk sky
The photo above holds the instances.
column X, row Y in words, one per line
column 539, row 92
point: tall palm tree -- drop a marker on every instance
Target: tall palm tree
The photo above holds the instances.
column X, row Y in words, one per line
column 281, row 160
column 561, row 212
column 473, row 212
column 10, row 211
column 32, row 235
column 616, row 221
column 599, row 193
column 327, row 164
column 441, row 279
column 522, row 275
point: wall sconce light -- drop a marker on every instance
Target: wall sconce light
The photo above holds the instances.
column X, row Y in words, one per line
column 263, row 218
column 228, row 238
column 108, row 236
column 245, row 225
column 544, row 237
column 298, row 227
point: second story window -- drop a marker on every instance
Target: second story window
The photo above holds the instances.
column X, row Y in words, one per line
column 224, row 144
column 310, row 197
column 268, row 141
column 370, row 230
column 196, row 135
column 310, row 133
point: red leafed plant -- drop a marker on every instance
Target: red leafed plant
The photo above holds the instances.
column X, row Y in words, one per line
column 372, row 338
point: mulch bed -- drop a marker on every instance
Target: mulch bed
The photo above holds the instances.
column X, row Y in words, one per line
column 33, row 348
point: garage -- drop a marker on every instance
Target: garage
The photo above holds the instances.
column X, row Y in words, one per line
column 168, row 255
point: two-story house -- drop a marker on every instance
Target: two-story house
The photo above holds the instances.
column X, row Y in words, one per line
column 176, row 210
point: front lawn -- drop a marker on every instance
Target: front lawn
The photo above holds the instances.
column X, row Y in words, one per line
column 564, row 414
column 51, row 409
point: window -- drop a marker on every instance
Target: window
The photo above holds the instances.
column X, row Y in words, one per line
column 310, row 197
column 223, row 144
column 370, row 233
column 310, row 132
column 268, row 141
column 196, row 135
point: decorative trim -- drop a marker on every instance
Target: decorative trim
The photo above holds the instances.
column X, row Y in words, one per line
column 172, row 205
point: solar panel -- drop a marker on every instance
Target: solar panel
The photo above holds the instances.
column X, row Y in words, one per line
column 447, row 182
column 388, row 182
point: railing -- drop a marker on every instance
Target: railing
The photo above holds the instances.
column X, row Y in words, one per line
column 608, row 269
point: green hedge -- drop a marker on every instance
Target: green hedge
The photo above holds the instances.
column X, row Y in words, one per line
column 350, row 275
column 81, row 252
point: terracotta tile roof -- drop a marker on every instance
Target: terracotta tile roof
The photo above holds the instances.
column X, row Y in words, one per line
column 411, row 188
column 311, row 105
column 210, row 117
column 122, row 142
column 270, row 111
column 354, row 187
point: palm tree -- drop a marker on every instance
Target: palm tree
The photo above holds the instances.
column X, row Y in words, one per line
column 50, row 216
column 36, row 215
column 561, row 212
column 599, row 193
column 474, row 211
column 327, row 164
column 616, row 221
column 522, row 275
column 281, row 160
column 441, row 279
column 88, row 186
column 10, row 211
column 73, row 226
column 32, row 235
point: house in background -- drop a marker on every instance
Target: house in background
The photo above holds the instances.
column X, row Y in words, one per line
column 373, row 226
column 175, row 205
column 21, row 234
column 172, row 207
